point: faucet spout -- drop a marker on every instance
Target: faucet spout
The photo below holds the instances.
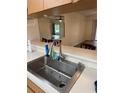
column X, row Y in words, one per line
column 60, row 55
column 60, row 52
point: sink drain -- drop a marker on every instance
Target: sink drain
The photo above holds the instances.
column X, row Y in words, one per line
column 62, row 85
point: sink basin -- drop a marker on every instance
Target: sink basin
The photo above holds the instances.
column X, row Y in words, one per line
column 59, row 75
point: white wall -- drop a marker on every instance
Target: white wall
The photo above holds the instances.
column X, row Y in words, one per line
column 33, row 29
column 89, row 26
column 74, row 29
column 44, row 27
column 78, row 27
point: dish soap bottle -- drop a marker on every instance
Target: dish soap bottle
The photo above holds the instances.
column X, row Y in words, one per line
column 29, row 46
column 46, row 49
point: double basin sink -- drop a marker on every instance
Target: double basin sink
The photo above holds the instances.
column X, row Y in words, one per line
column 59, row 75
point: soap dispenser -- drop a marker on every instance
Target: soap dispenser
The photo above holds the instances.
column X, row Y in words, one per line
column 29, row 46
column 46, row 49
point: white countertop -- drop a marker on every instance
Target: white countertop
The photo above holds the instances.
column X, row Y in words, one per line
column 34, row 55
column 80, row 53
column 85, row 83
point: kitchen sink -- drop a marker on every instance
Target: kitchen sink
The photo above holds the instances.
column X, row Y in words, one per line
column 59, row 75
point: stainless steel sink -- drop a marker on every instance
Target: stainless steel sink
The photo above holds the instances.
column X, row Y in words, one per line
column 59, row 75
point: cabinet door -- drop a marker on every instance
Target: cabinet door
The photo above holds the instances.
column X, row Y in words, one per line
column 32, row 88
column 35, row 6
column 29, row 90
column 54, row 3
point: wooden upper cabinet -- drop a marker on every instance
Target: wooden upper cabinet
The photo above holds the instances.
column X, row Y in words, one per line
column 74, row 1
column 40, row 5
column 35, row 6
column 54, row 3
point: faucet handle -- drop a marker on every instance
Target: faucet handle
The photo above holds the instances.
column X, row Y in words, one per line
column 57, row 42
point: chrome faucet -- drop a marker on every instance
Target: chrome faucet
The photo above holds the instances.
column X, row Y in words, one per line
column 57, row 43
